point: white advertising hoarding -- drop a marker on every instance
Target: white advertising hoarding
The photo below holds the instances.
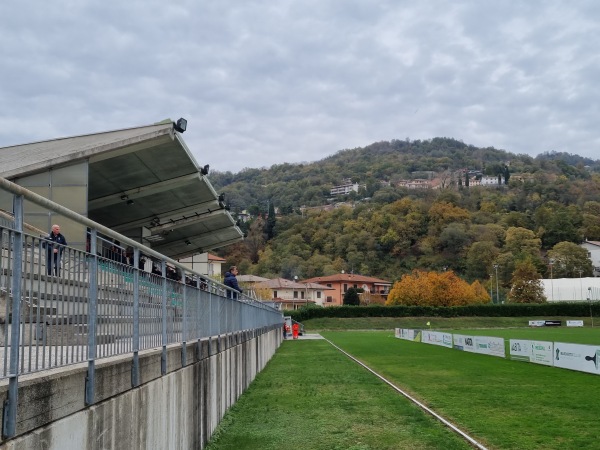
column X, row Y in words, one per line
column 488, row 345
column 408, row 334
column 537, row 323
column 464, row 343
column 436, row 338
column 574, row 323
column 584, row 358
column 520, row 349
column 541, row 352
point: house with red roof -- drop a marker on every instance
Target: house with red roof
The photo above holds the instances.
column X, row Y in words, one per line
column 293, row 294
column 341, row 282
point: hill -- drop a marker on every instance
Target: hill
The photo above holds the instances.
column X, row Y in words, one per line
column 385, row 229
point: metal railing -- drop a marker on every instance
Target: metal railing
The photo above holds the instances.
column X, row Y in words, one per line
column 79, row 306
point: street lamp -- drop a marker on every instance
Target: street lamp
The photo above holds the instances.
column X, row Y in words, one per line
column 581, row 283
column 590, row 300
column 497, row 297
column 492, row 287
column 551, row 262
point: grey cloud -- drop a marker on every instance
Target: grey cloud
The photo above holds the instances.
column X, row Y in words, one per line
column 263, row 83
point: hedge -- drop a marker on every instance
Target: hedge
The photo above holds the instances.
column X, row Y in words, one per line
column 580, row 309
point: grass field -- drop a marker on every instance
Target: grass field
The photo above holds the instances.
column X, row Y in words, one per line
column 310, row 396
column 506, row 404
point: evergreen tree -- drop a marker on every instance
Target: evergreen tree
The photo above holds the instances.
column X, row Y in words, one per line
column 351, row 297
column 271, row 222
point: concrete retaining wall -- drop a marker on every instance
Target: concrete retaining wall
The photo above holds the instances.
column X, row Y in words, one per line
column 179, row 410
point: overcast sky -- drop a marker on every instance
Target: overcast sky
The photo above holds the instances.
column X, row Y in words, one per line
column 274, row 81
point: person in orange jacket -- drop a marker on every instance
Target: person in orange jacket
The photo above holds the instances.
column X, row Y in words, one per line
column 295, row 330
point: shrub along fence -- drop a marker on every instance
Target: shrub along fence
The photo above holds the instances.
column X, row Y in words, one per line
column 557, row 309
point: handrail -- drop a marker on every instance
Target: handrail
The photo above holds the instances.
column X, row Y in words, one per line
column 52, row 317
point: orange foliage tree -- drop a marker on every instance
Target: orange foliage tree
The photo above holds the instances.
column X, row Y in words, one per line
column 436, row 289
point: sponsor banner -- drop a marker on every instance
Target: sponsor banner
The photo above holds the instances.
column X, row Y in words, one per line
column 574, row 323
column 397, row 332
column 584, row 358
column 436, row 338
column 464, row 343
column 552, row 323
column 541, row 352
column 487, row 345
column 537, row 323
column 520, row 350
column 417, row 336
column 408, row 334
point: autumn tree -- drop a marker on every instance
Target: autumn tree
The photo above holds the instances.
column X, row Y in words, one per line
column 526, row 284
column 434, row 289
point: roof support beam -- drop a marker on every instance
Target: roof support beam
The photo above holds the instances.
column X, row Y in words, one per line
column 176, row 214
column 179, row 223
column 143, row 191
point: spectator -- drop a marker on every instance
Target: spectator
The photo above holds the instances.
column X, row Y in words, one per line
column 54, row 250
column 231, row 282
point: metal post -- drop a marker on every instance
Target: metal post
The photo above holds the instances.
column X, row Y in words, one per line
column 9, row 422
column 135, row 368
column 92, row 314
column 590, row 300
column 497, row 289
column 163, row 359
column 492, row 287
column 551, row 262
column 184, row 327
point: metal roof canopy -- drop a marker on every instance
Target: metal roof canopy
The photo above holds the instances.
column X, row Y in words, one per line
column 139, row 177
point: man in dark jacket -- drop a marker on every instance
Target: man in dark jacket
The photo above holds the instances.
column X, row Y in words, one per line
column 231, row 282
column 54, row 250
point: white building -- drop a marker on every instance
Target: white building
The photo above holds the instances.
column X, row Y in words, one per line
column 344, row 188
column 571, row 289
column 593, row 248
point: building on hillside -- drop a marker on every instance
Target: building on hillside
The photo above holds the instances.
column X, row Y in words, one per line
column 204, row 263
column 292, row 294
column 593, row 249
column 489, row 181
column 419, row 183
column 341, row 282
column 345, row 188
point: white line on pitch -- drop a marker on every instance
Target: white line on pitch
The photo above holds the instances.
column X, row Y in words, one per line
column 415, row 401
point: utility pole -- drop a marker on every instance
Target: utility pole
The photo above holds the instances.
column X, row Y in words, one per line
column 497, row 291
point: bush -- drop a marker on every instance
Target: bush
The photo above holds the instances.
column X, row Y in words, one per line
column 557, row 309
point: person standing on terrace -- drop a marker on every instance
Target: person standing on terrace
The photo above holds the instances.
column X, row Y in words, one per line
column 54, row 250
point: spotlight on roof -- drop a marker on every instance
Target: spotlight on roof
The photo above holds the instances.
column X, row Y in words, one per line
column 124, row 197
column 130, row 202
column 204, row 170
column 180, row 125
column 221, row 197
column 187, row 242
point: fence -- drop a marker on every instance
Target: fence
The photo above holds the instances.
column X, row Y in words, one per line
column 60, row 305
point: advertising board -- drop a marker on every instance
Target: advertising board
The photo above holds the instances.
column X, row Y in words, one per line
column 488, row 345
column 464, row 343
column 520, row 349
column 584, row 358
column 436, row 338
column 574, row 323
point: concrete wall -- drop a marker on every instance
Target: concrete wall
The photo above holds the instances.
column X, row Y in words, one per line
column 178, row 410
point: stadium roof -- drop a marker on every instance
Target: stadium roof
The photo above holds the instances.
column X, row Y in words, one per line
column 143, row 176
